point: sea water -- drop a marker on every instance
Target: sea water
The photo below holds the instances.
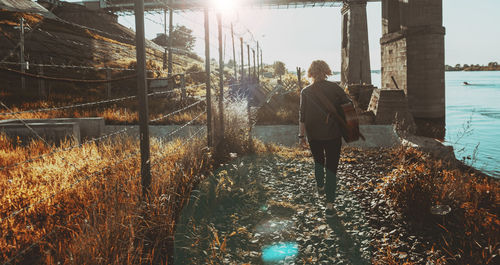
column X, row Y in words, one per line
column 472, row 117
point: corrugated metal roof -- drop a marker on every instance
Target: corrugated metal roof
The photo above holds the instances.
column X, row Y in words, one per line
column 25, row 6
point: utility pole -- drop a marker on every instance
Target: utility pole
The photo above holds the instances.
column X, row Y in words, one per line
column 261, row 64
column 165, row 66
column 258, row 65
column 242, row 61
column 249, row 63
column 142, row 95
column 234, row 55
column 21, row 56
column 221, row 79
column 254, row 70
column 207, row 85
column 170, row 43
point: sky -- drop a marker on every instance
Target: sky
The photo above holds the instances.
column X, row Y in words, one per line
column 299, row 36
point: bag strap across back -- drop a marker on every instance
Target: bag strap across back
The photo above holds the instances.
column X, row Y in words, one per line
column 331, row 109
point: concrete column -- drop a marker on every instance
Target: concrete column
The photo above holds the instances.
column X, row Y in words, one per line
column 414, row 55
column 355, row 49
column 390, row 16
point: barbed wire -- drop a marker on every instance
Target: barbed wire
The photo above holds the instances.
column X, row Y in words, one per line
column 24, row 251
column 90, row 103
column 187, row 140
column 79, row 180
column 55, row 151
column 177, row 111
column 71, row 80
column 90, row 67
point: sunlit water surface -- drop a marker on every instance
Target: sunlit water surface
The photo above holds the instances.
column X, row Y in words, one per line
column 472, row 117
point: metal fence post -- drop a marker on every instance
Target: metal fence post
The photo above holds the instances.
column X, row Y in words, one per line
column 235, row 64
column 21, row 55
column 221, row 80
column 242, row 61
column 142, row 95
column 249, row 63
column 254, row 70
column 170, row 43
column 207, row 72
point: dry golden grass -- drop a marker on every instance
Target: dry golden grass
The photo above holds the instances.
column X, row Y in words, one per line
column 99, row 220
column 469, row 233
column 87, row 206
column 124, row 112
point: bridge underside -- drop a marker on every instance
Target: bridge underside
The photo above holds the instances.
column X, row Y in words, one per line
column 128, row 5
column 412, row 45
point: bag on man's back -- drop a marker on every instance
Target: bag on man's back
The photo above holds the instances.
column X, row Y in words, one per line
column 349, row 126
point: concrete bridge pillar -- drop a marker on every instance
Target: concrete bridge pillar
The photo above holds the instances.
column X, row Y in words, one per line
column 412, row 49
column 355, row 50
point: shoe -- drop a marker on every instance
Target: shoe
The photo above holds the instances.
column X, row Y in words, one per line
column 330, row 211
column 321, row 190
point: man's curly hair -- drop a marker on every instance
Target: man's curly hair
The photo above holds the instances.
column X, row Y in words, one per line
column 319, row 70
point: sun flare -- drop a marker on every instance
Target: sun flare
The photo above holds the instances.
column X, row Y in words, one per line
column 224, row 5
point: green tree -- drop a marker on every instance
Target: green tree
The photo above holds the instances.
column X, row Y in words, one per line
column 182, row 38
column 230, row 63
column 279, row 69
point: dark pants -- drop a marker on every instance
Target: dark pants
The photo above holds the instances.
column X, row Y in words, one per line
column 329, row 149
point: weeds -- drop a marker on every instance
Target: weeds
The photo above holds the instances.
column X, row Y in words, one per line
column 469, row 233
column 102, row 219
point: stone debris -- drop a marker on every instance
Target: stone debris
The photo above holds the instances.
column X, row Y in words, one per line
column 273, row 215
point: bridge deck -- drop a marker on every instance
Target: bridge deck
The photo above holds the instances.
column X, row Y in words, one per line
column 128, row 5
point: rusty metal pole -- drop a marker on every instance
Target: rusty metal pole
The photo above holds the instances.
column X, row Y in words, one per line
column 142, row 95
column 207, row 72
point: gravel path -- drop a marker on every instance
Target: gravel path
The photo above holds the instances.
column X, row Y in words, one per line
column 265, row 210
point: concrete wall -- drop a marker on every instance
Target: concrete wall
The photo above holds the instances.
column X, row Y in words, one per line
column 89, row 128
column 52, row 133
column 376, row 135
column 355, row 49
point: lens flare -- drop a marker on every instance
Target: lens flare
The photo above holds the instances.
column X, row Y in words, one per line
column 224, row 5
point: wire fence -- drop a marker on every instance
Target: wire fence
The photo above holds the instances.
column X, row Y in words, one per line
column 80, row 173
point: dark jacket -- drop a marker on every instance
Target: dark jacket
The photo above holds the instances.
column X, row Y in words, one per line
column 313, row 113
